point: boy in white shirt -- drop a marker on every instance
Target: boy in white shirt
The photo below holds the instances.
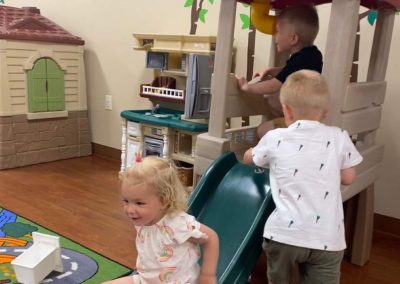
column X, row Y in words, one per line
column 307, row 161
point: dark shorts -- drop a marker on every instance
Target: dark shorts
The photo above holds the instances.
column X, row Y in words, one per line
column 315, row 266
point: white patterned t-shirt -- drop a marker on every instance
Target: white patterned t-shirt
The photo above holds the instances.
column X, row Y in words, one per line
column 305, row 161
column 164, row 253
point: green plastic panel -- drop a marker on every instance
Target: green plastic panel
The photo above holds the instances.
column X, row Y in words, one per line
column 171, row 119
column 55, row 88
column 46, row 87
column 37, row 87
column 234, row 199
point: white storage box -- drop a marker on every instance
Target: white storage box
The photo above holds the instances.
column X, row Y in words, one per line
column 39, row 260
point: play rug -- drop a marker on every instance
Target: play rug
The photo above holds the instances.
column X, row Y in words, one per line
column 81, row 265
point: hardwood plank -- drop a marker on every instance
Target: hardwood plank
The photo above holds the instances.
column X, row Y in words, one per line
column 77, row 198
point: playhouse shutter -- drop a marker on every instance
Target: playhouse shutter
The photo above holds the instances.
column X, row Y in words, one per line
column 55, row 87
column 37, row 87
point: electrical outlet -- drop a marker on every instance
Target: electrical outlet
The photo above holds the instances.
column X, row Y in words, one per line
column 108, row 102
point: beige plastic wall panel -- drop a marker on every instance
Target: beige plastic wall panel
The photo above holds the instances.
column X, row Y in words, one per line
column 20, row 52
column 239, row 103
column 222, row 68
column 73, row 106
column 21, row 45
column 18, row 100
column 71, row 98
column 20, row 58
column 362, row 95
column 381, row 45
column 245, row 105
column 71, row 77
column 371, row 157
column 201, row 164
column 71, row 91
column 338, row 55
column 4, row 99
column 362, row 120
column 67, row 56
column 364, row 179
column 71, row 84
column 17, row 92
column 17, row 109
column 36, row 45
column 67, row 49
column 211, row 147
column 15, row 69
column 19, row 61
column 17, row 84
column 70, row 63
column 82, row 79
column 72, row 70
column 17, row 77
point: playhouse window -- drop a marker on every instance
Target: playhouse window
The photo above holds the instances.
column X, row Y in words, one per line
column 46, row 87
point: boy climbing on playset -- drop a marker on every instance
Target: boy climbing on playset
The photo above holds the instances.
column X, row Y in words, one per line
column 296, row 30
column 167, row 238
column 307, row 161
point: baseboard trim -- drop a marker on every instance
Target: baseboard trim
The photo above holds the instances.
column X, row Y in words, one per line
column 387, row 224
column 106, row 152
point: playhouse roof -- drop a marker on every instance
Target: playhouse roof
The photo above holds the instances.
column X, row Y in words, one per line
column 371, row 4
column 27, row 24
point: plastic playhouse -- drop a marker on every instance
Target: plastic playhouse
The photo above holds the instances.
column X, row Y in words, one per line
column 357, row 106
column 43, row 103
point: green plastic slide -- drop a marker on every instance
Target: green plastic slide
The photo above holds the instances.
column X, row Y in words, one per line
column 234, row 199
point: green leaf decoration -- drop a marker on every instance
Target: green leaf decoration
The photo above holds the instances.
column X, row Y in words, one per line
column 372, row 17
column 211, row 1
column 202, row 15
column 245, row 5
column 245, row 21
column 188, row 3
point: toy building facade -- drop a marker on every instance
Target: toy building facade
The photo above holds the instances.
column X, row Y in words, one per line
column 43, row 103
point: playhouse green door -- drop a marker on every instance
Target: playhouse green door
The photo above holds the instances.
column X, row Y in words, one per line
column 46, row 87
column 55, row 87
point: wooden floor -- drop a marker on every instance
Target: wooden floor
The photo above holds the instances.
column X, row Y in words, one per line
column 79, row 199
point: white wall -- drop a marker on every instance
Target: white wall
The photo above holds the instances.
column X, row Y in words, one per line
column 114, row 68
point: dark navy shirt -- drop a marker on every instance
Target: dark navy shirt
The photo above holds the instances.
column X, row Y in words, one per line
column 307, row 58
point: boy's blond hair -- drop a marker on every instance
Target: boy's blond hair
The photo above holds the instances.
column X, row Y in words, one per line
column 161, row 176
column 304, row 20
column 307, row 93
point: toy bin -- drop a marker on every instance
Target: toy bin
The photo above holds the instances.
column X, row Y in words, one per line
column 185, row 173
column 39, row 260
column 33, row 265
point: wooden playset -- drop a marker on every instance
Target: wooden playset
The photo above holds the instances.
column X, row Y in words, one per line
column 356, row 106
column 43, row 104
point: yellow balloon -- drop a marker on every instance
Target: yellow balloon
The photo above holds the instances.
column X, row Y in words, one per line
column 260, row 17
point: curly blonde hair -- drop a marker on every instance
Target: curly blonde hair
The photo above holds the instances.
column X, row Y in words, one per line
column 161, row 176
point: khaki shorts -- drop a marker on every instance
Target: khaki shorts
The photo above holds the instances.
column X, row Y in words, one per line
column 315, row 266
